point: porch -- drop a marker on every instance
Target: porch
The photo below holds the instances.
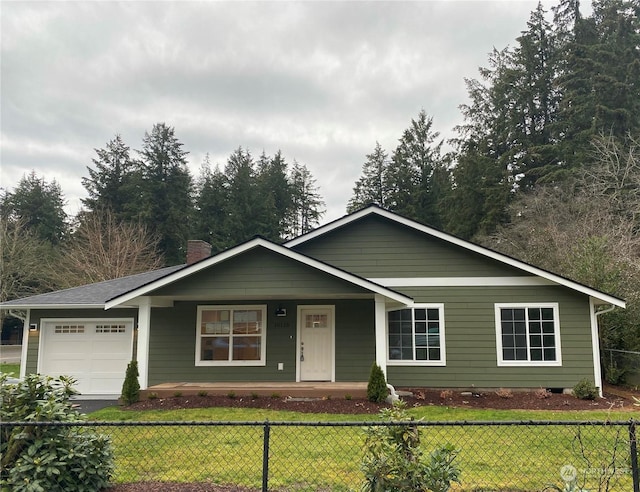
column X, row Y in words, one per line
column 295, row 390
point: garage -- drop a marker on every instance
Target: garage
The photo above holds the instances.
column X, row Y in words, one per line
column 93, row 351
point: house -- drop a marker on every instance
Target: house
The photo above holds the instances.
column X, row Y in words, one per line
column 431, row 309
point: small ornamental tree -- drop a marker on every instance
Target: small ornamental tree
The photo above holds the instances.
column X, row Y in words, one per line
column 49, row 457
column 377, row 390
column 131, row 386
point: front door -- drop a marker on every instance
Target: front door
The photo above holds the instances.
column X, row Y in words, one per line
column 315, row 348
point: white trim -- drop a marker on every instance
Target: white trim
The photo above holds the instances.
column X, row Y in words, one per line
column 144, row 329
column 52, row 306
column 234, row 363
column 595, row 342
column 254, row 243
column 381, row 333
column 526, row 280
column 556, row 334
column 601, row 296
column 25, row 345
column 302, row 307
column 443, row 349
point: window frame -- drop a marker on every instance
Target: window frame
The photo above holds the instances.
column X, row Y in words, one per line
column 443, row 352
column 232, row 363
column 556, row 333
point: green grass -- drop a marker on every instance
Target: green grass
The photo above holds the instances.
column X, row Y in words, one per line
column 312, row 458
column 10, row 369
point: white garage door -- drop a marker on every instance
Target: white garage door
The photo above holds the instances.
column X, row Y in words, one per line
column 95, row 352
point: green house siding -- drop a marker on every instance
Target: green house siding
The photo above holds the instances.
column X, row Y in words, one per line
column 256, row 274
column 470, row 331
column 36, row 315
column 173, row 338
column 377, row 247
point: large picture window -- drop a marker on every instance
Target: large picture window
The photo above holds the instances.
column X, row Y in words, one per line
column 416, row 335
column 528, row 334
column 231, row 335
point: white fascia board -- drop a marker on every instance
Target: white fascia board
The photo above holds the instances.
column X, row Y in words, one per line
column 525, row 280
column 254, row 243
column 53, row 306
column 601, row 296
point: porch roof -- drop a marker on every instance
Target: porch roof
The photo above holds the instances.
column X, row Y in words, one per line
column 130, row 298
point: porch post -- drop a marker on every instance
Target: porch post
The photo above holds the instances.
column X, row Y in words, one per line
column 142, row 355
column 381, row 333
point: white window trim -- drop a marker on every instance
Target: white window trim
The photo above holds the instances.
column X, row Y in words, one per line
column 556, row 334
column 443, row 347
column 233, row 363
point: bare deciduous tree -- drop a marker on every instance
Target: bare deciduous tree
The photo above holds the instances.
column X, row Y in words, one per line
column 103, row 248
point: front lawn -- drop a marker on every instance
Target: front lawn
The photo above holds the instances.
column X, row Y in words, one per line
column 10, row 369
column 493, row 457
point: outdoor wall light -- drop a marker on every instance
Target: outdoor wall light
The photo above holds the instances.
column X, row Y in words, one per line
column 33, row 327
column 280, row 311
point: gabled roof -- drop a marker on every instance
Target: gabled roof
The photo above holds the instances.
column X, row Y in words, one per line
column 258, row 242
column 90, row 295
column 507, row 260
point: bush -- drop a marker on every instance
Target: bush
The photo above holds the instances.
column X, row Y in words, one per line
column 377, row 390
column 585, row 390
column 394, row 461
column 48, row 458
column 131, row 386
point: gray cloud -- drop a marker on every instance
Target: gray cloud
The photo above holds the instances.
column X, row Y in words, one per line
column 321, row 81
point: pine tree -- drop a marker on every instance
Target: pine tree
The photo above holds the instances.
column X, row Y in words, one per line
column 166, row 191
column 371, row 187
column 308, row 206
column 113, row 184
column 211, row 202
column 39, row 207
column 274, row 189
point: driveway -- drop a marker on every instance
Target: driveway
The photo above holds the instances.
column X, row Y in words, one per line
column 92, row 405
column 10, row 354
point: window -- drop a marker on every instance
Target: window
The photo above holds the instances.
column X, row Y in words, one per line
column 111, row 328
column 231, row 335
column 528, row 335
column 68, row 329
column 416, row 335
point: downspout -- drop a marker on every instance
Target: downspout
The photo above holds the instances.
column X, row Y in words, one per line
column 596, row 344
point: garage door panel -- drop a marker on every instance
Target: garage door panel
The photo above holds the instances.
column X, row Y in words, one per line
column 94, row 352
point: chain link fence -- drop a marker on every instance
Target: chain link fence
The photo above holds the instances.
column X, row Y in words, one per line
column 327, row 456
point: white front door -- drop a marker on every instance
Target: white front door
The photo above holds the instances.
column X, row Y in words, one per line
column 315, row 347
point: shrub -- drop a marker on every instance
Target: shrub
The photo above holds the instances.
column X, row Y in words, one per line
column 131, row 386
column 231, row 394
column 177, row 394
column 542, row 393
column 504, row 393
column 48, row 457
column 394, row 461
column 377, row 390
column 445, row 394
column 585, row 390
column 202, row 393
column 152, row 396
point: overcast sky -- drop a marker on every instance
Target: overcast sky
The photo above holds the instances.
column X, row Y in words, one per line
column 321, row 81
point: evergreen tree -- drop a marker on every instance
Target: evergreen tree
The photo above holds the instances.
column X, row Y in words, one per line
column 371, row 187
column 211, row 203
column 274, row 190
column 166, row 191
column 113, row 184
column 308, row 206
column 39, row 207
column 243, row 206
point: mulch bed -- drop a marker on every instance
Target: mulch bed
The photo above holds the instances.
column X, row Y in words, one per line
column 420, row 397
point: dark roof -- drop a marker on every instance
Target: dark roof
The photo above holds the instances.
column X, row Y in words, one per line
column 92, row 294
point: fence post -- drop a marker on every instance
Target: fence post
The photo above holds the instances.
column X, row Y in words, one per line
column 265, row 457
column 634, row 455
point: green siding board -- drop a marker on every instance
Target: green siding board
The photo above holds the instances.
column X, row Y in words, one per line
column 173, row 337
column 259, row 273
column 377, row 247
column 471, row 339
